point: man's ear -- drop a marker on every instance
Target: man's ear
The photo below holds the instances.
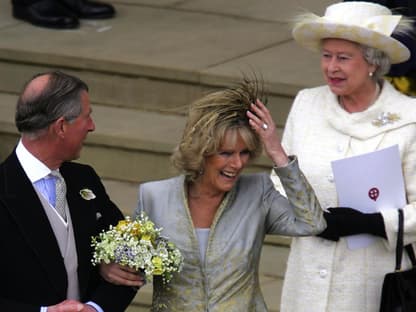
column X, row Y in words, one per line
column 58, row 127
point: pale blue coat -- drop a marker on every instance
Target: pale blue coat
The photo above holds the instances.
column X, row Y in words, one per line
column 228, row 280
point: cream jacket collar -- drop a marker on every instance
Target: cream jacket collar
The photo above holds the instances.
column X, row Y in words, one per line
column 391, row 110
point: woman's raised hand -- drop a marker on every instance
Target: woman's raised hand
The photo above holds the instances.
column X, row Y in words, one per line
column 262, row 122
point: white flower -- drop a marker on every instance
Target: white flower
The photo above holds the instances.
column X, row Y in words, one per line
column 87, row 194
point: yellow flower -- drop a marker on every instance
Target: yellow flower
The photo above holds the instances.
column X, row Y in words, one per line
column 158, row 264
column 146, row 237
column 402, row 84
column 406, row 85
column 121, row 225
column 149, row 226
column 136, row 230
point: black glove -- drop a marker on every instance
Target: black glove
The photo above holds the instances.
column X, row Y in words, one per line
column 345, row 221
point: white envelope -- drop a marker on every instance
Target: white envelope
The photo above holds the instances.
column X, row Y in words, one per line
column 370, row 182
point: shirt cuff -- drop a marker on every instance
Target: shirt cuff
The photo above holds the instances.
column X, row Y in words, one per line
column 95, row 306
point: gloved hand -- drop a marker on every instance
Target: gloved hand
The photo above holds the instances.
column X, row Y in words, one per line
column 345, row 221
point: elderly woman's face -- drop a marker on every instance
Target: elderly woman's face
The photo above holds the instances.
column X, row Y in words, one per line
column 222, row 169
column 344, row 68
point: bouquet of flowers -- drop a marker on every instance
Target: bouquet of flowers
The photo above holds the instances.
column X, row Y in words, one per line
column 139, row 245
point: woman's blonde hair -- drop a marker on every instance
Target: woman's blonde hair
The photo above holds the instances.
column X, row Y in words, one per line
column 210, row 118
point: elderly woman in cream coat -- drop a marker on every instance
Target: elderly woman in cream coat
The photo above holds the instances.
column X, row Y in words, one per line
column 356, row 112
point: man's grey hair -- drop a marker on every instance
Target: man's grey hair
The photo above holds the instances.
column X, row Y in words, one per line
column 61, row 97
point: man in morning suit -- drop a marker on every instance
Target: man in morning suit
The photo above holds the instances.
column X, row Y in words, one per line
column 46, row 253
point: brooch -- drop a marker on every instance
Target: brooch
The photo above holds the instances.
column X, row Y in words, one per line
column 87, row 194
column 385, row 119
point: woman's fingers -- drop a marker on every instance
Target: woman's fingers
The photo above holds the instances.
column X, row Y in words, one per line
column 260, row 119
column 262, row 122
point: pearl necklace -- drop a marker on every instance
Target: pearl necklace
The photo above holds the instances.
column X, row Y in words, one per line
column 376, row 94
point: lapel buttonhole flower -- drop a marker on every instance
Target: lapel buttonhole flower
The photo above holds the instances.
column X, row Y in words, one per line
column 98, row 216
column 87, row 194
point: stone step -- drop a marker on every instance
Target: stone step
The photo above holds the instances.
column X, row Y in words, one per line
column 145, row 66
column 129, row 145
column 161, row 57
column 135, row 90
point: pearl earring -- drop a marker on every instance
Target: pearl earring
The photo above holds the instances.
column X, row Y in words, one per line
column 370, row 74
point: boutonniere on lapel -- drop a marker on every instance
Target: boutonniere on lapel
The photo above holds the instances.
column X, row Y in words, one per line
column 385, row 119
column 87, row 194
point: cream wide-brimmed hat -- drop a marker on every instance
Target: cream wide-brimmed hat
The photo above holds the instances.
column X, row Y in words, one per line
column 366, row 23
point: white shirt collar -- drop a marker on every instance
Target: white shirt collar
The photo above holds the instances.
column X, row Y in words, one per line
column 33, row 167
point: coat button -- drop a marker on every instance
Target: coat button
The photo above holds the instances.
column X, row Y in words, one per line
column 323, row 273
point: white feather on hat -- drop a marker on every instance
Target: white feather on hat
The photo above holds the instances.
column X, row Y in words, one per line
column 366, row 23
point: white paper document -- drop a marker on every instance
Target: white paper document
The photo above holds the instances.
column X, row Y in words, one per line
column 370, row 182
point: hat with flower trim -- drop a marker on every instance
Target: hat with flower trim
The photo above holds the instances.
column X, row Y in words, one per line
column 366, row 23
